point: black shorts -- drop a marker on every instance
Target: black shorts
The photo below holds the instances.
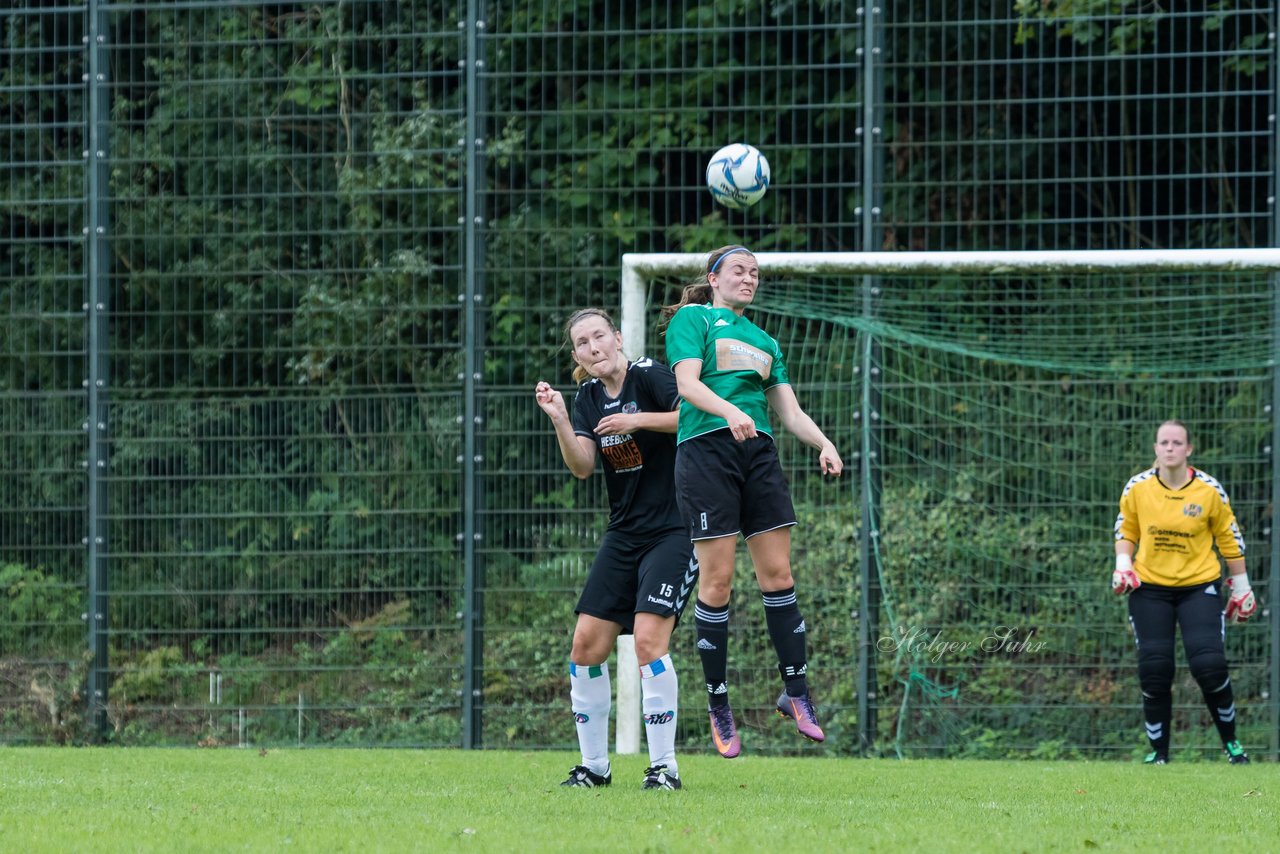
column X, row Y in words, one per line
column 725, row 487
column 654, row 575
column 1159, row 611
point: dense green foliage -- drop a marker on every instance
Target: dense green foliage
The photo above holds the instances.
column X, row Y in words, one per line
column 290, row 263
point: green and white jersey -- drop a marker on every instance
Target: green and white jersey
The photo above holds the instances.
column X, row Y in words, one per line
column 739, row 362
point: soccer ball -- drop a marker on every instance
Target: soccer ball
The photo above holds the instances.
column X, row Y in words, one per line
column 738, row 176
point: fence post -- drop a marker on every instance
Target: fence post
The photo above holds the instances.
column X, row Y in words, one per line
column 472, row 145
column 1272, row 610
column 97, row 293
column 869, row 400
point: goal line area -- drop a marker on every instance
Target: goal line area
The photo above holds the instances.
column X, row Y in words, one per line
column 989, row 407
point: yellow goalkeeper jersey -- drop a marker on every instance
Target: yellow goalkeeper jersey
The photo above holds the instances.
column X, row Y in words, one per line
column 1175, row 529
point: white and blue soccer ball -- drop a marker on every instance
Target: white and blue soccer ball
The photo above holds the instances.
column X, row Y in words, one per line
column 738, row 176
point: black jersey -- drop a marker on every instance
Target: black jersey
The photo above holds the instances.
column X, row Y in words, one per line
column 638, row 467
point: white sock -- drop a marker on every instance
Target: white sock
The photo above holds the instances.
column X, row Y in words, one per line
column 590, row 697
column 659, row 689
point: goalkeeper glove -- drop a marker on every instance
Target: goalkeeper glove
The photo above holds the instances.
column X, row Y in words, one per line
column 1240, row 605
column 1124, row 579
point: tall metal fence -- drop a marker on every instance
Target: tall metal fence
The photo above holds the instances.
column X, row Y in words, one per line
column 278, row 280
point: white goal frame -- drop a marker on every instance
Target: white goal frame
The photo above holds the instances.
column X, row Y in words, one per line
column 639, row 268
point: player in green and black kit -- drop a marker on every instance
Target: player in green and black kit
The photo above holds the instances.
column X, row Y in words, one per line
column 729, row 480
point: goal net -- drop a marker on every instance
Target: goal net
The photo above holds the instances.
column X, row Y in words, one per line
column 990, row 407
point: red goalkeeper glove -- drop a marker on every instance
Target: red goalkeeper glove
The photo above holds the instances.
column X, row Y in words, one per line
column 1124, row 579
column 1240, row 602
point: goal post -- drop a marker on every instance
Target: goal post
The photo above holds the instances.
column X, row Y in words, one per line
column 648, row 278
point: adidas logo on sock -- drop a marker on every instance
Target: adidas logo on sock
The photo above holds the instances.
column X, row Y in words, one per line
column 799, row 629
column 703, row 643
column 719, row 689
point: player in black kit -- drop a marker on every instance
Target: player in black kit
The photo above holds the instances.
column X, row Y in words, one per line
column 644, row 570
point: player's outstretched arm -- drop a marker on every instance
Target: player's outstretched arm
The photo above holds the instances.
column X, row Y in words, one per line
column 783, row 400
column 579, row 452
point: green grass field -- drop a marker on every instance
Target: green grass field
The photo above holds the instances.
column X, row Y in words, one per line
column 121, row 799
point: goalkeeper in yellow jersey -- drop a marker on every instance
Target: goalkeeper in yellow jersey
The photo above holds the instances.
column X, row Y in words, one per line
column 1171, row 517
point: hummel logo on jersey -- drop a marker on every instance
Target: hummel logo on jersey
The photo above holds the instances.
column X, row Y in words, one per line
column 719, row 689
column 799, row 630
column 703, row 643
column 611, row 404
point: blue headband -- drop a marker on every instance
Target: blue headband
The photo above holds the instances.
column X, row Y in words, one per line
column 716, row 265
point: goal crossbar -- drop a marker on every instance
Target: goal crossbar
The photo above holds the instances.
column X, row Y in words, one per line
column 1031, row 261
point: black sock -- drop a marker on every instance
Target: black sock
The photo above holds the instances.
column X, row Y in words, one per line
column 1158, row 713
column 787, row 631
column 712, row 626
column 1222, row 708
